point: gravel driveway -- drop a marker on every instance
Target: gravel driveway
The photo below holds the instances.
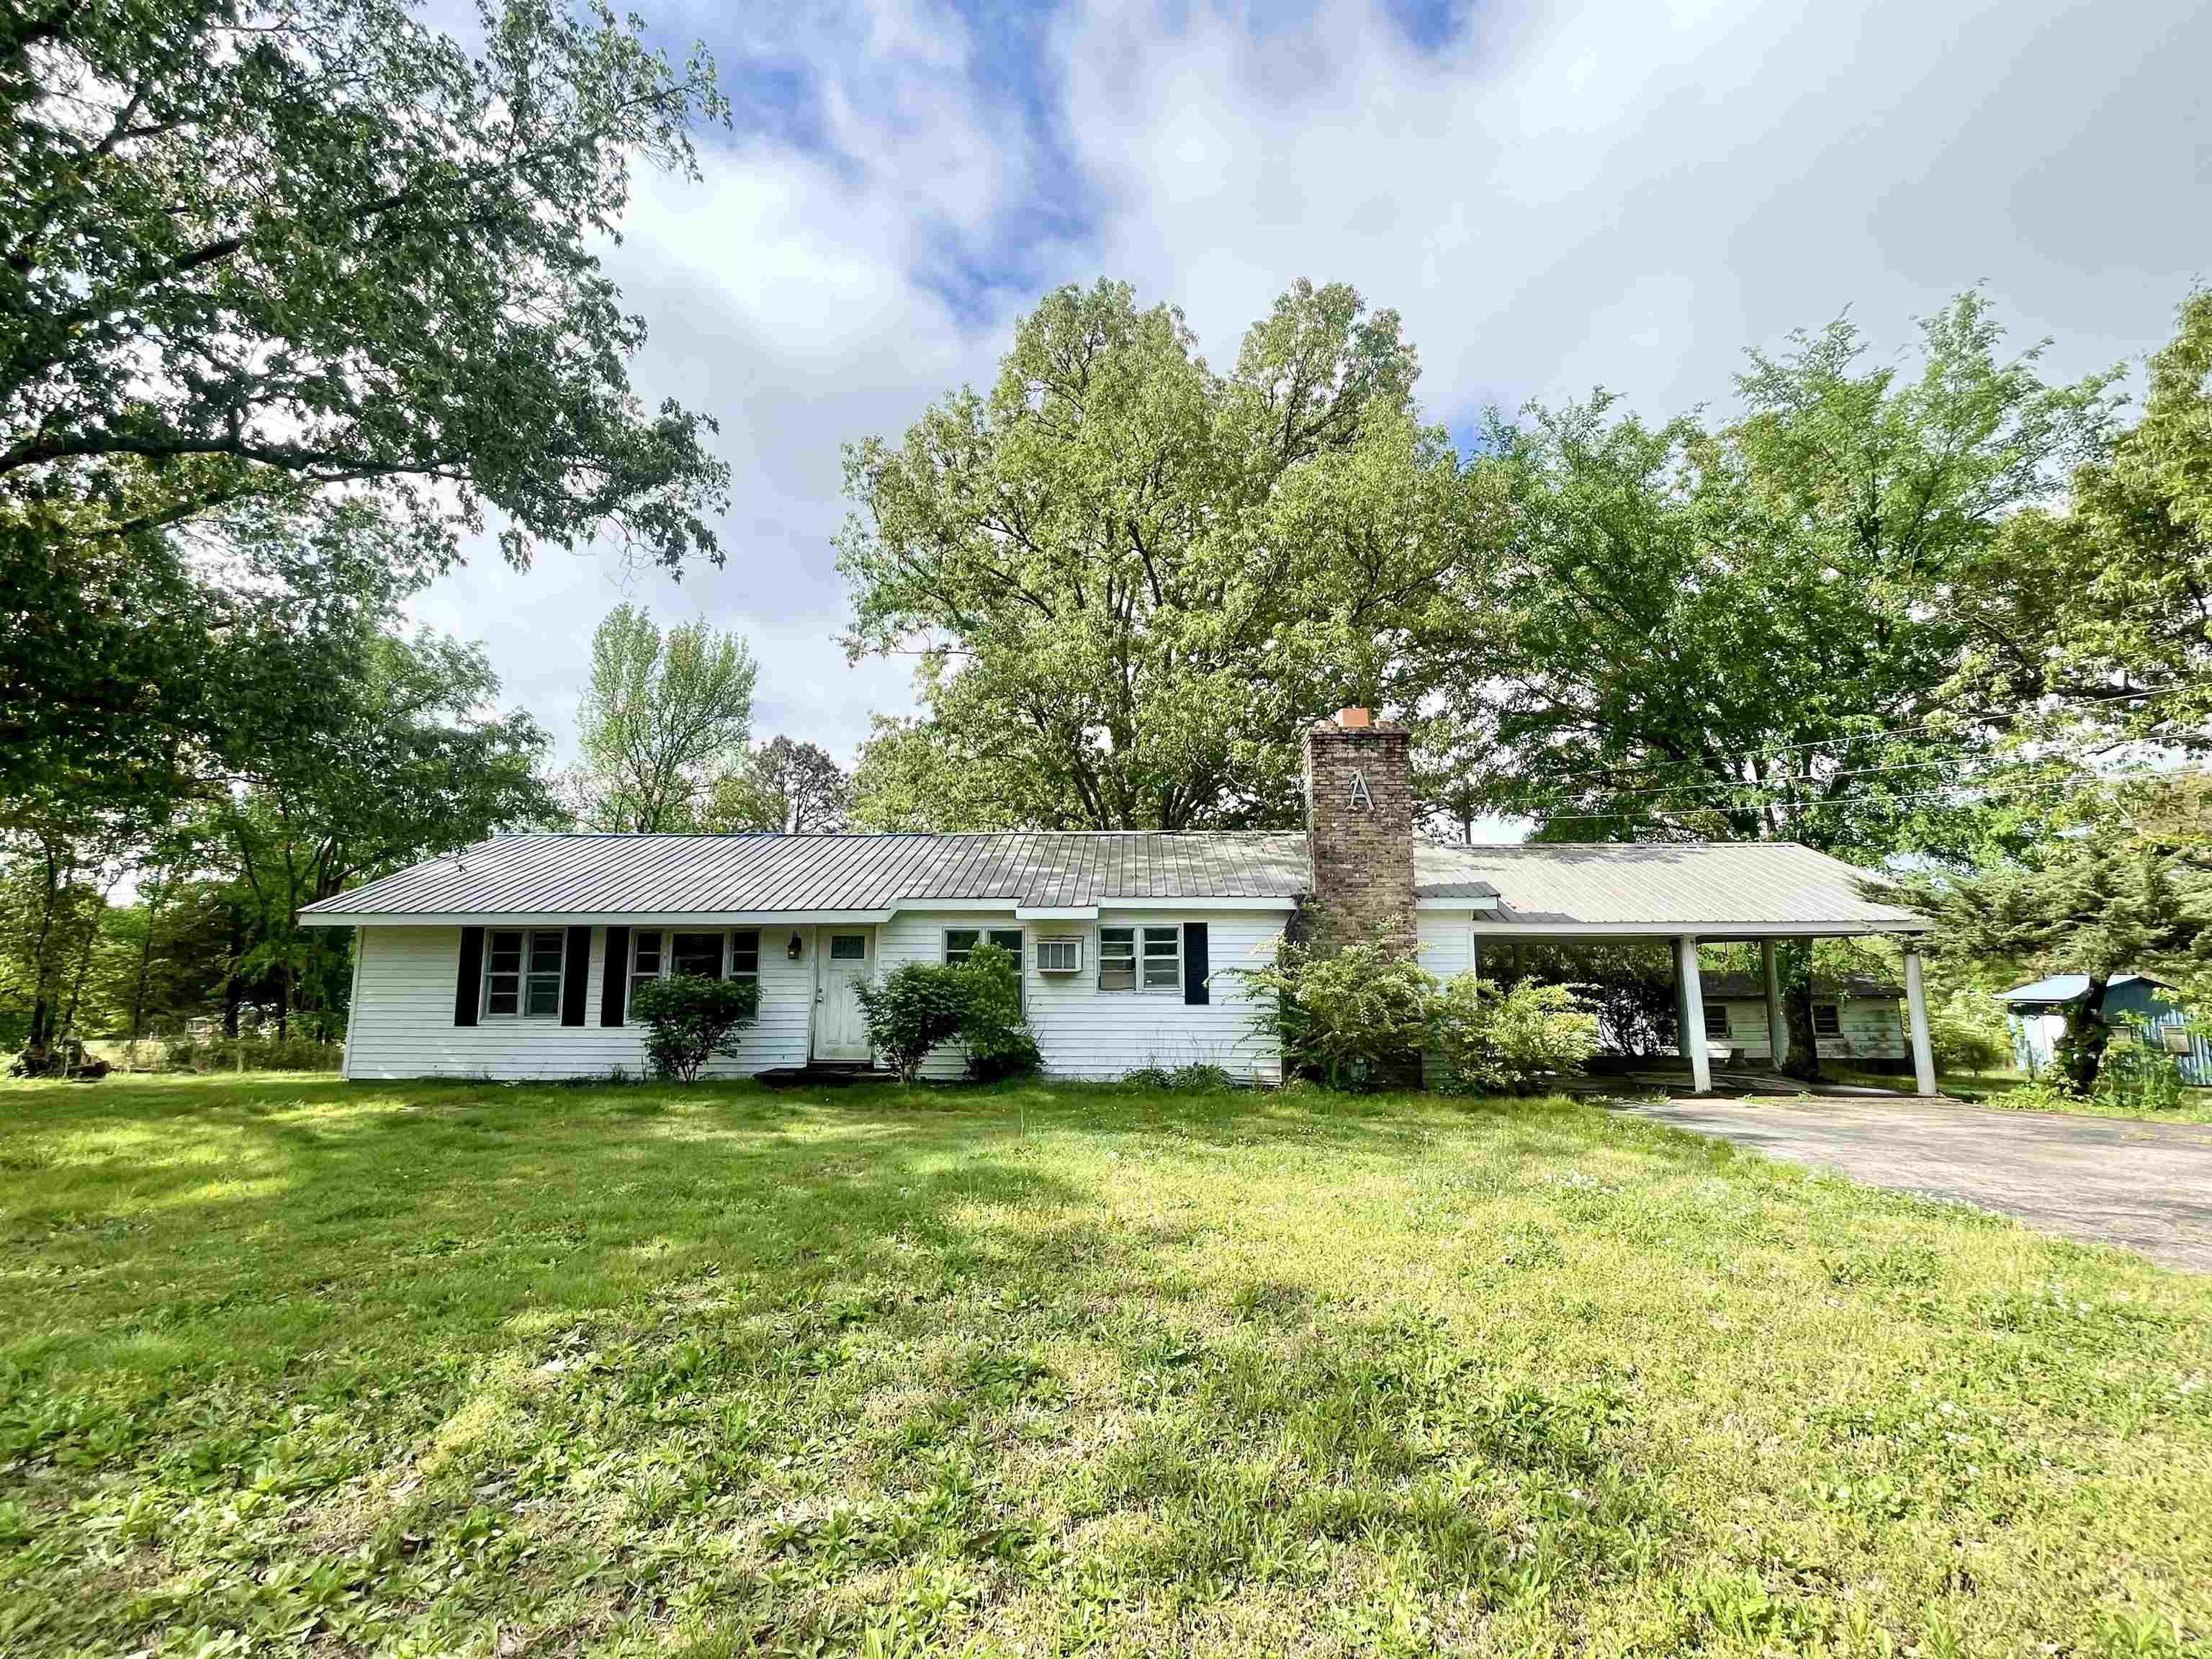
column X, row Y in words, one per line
column 2148, row 1186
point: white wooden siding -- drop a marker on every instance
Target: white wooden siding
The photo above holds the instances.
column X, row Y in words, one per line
column 402, row 1024
column 1085, row 1033
column 1873, row 1029
column 1443, row 943
column 403, row 1010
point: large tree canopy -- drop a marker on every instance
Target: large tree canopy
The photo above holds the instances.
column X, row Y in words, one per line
column 1132, row 580
column 258, row 246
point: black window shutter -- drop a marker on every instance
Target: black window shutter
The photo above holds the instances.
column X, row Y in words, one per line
column 1194, row 988
column 575, row 970
column 468, row 989
column 615, row 975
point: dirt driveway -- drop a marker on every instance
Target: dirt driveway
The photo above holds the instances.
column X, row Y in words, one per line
column 2148, row 1186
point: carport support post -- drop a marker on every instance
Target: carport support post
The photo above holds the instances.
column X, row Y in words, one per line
column 1916, row 1015
column 1777, row 1033
column 1692, row 998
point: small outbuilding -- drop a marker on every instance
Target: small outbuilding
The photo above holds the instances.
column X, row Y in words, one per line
column 2037, row 1013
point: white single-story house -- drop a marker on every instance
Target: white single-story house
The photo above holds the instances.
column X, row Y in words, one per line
column 1854, row 1017
column 517, row 957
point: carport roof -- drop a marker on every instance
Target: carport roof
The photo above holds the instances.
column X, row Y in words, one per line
column 1713, row 889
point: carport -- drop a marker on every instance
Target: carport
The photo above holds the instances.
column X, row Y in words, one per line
column 1685, row 894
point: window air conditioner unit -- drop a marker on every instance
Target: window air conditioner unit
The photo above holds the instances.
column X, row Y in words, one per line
column 1060, row 954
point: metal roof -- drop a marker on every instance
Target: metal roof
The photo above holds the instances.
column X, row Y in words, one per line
column 555, row 875
column 2068, row 987
column 1688, row 887
column 1617, row 887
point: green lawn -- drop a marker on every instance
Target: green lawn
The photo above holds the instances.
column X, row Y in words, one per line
column 1999, row 1088
column 504, row 1370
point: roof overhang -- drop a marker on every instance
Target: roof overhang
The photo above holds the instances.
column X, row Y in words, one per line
column 1717, row 932
column 1002, row 907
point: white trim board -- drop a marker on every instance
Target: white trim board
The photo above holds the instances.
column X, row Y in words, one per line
column 1714, row 931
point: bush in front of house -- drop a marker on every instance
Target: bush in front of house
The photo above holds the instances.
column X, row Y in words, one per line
column 992, row 1028
column 914, row 1010
column 1342, row 1018
column 690, row 1019
column 1510, row 1041
column 1194, row 1078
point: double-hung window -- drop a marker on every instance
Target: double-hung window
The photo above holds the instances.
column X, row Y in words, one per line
column 1139, row 958
column 960, row 941
column 522, row 973
column 658, row 953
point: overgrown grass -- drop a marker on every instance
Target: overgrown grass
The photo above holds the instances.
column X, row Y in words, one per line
column 495, row 1370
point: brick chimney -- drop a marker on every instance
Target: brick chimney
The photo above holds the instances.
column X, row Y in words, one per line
column 1359, row 828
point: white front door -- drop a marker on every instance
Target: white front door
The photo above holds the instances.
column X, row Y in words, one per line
column 843, row 961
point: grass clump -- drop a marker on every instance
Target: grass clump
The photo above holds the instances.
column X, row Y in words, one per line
column 452, row 1368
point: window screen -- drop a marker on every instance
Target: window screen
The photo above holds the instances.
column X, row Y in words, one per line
column 545, row 950
column 745, row 953
column 503, row 974
column 700, row 954
column 645, row 957
column 1162, row 958
column 1117, row 959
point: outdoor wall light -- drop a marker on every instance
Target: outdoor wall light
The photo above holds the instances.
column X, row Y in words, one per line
column 796, row 948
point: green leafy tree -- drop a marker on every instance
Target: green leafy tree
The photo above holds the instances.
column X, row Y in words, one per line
column 2101, row 904
column 785, row 788
column 292, row 250
column 690, row 1019
column 2101, row 606
column 1133, row 581
column 1744, row 634
column 663, row 720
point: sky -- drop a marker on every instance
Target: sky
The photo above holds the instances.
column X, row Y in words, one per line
column 1554, row 198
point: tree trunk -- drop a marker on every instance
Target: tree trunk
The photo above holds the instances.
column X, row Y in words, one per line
column 1802, row 1061
column 2082, row 1046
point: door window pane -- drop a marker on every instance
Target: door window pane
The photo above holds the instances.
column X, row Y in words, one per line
column 848, row 947
column 700, row 954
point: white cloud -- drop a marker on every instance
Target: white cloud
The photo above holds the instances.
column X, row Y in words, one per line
column 1622, row 193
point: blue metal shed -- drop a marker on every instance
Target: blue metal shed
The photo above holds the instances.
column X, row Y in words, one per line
column 2037, row 1013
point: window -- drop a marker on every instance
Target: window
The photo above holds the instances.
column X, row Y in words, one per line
column 1060, row 954
column 700, row 954
column 1827, row 1020
column 745, row 953
column 709, row 956
column 1117, row 959
column 1162, row 958
column 1717, row 1023
column 522, row 973
column 1140, row 958
column 645, row 958
column 848, row 947
column 959, row 941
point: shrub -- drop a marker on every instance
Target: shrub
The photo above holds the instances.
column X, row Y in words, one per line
column 911, row 1011
column 1507, row 1041
column 690, row 1019
column 917, row 1009
column 992, row 1028
column 1966, row 1032
column 1342, row 1018
column 1196, row 1078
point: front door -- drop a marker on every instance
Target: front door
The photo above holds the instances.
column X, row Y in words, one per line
column 842, row 963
